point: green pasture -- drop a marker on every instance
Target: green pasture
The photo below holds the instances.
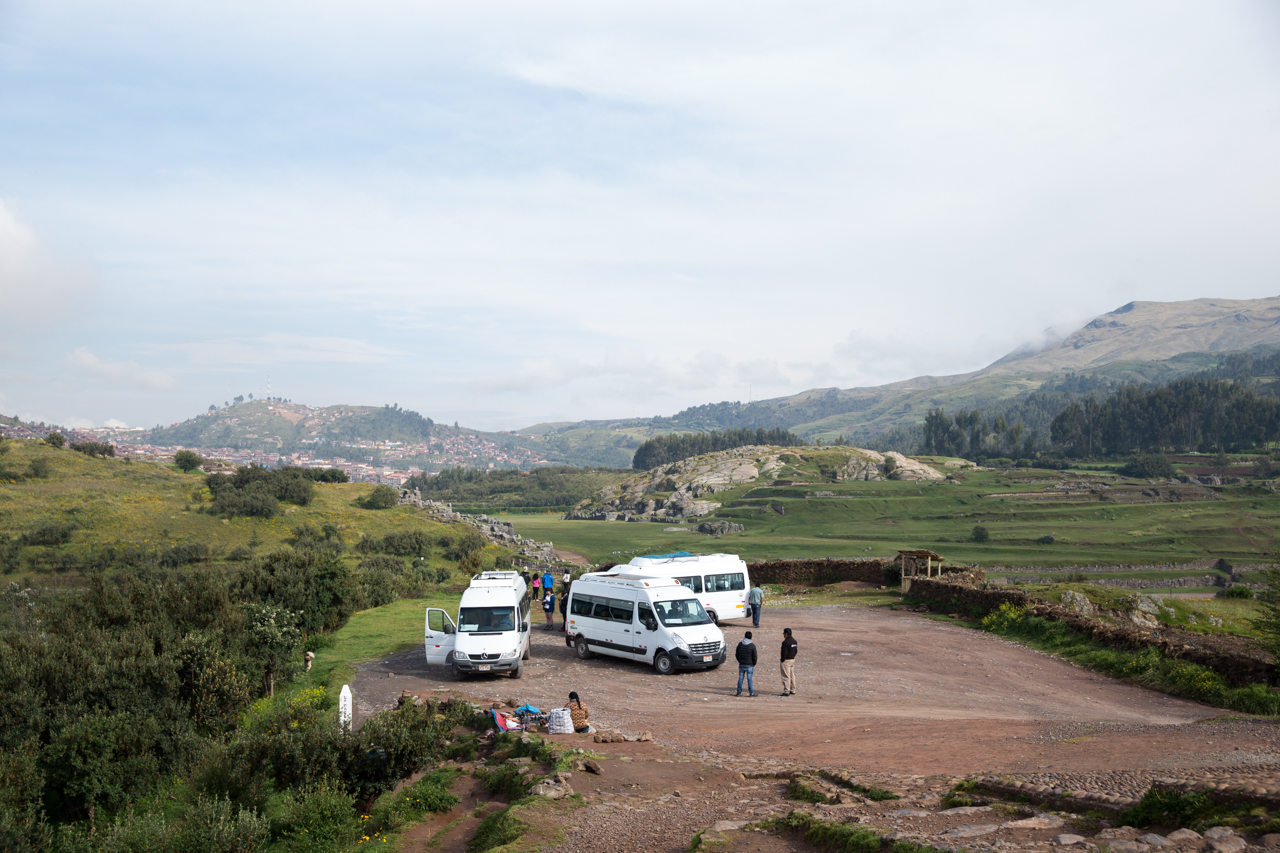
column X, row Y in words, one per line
column 879, row 518
column 144, row 504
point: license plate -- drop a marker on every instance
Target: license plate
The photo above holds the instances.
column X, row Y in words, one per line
column 706, row 657
column 484, row 667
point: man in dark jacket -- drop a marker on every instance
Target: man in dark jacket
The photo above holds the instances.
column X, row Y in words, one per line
column 789, row 649
column 746, row 655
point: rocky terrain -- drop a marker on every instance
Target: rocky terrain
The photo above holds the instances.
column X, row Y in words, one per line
column 684, row 489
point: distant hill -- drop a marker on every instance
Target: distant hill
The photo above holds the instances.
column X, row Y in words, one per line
column 275, row 426
column 1139, row 342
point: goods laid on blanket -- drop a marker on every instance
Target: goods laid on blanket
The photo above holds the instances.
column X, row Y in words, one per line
column 557, row 721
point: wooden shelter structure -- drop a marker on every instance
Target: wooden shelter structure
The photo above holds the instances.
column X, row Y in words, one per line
column 913, row 561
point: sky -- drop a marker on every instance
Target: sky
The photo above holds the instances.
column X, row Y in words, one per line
column 502, row 213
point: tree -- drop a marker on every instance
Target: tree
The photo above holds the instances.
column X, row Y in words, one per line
column 55, row 439
column 273, row 635
column 980, row 534
column 382, row 497
column 1150, row 466
column 187, row 460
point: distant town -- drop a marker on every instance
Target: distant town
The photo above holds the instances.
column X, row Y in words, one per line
column 396, row 461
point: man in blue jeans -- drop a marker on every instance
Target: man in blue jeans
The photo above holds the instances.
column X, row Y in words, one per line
column 746, row 655
column 755, row 600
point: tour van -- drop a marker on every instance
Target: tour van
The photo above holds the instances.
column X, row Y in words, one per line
column 492, row 631
column 644, row 618
column 720, row 581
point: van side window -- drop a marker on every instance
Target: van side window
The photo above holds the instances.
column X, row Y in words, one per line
column 620, row 611
column 580, row 605
column 726, row 583
column 694, row 583
column 435, row 621
column 601, row 610
column 644, row 615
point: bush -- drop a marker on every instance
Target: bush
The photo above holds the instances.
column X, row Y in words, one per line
column 1235, row 592
column 1046, row 540
column 186, row 460
column 94, row 448
column 382, row 497
column 892, row 574
column 49, row 534
column 215, row 826
column 980, row 534
column 379, row 578
column 496, row 830
column 1149, row 466
column 55, row 439
column 39, row 468
column 320, row 819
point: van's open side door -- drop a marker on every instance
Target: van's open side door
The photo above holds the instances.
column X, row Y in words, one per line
column 441, row 634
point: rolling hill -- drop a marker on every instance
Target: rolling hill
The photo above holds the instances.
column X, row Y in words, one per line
column 1139, row 342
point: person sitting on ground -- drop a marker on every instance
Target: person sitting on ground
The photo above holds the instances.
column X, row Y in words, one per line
column 578, row 713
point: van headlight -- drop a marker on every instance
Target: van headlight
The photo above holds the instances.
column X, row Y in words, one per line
column 681, row 644
column 510, row 654
column 457, row 655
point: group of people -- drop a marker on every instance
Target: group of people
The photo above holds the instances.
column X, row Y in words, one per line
column 748, row 657
column 542, row 589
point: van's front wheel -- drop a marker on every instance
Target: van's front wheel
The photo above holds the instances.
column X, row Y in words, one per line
column 715, row 620
column 663, row 664
column 527, row 647
column 580, row 646
column 519, row 670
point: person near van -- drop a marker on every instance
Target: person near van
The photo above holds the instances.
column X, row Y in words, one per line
column 549, row 608
column 564, row 606
column 746, row 655
column 566, row 580
column 755, row 598
column 537, row 587
column 548, row 580
column 578, row 713
column 789, row 649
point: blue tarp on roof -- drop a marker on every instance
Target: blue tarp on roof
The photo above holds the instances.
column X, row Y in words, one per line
column 665, row 556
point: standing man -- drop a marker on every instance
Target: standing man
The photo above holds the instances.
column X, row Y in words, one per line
column 746, row 655
column 549, row 608
column 788, row 663
column 564, row 606
column 548, row 580
column 755, row 598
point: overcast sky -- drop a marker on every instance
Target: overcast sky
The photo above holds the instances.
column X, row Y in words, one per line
column 504, row 213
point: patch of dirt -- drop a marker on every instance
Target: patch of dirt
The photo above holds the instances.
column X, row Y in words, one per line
column 571, row 557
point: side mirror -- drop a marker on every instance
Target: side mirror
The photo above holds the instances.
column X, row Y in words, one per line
column 448, row 629
column 651, row 625
column 524, row 626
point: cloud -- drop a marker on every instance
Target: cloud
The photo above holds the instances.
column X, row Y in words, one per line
column 124, row 373
column 277, row 348
column 115, row 423
column 35, row 288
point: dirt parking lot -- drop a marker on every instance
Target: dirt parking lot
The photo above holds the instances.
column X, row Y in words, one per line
column 879, row 690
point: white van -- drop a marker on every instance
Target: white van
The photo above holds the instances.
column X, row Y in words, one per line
column 720, row 581
column 643, row 618
column 492, row 631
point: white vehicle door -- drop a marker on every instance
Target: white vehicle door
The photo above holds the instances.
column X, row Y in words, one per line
column 645, row 632
column 440, row 636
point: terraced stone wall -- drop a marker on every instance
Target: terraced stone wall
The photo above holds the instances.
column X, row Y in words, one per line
column 818, row 572
column 1237, row 670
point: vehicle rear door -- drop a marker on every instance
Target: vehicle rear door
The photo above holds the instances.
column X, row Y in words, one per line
column 440, row 636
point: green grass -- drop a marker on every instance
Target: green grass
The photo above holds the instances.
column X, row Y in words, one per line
column 371, row 634
column 1237, row 614
column 878, row 518
column 148, row 505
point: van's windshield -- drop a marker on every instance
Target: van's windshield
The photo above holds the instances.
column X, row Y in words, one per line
column 687, row 611
column 479, row 620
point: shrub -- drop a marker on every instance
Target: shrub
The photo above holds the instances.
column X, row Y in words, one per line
column 320, row 819
column 379, row 579
column 1149, row 466
column 1046, row 540
column 1005, row 618
column 496, row 830
column 94, row 448
column 187, row 460
column 382, row 497
column 55, row 439
column 215, row 826
column 979, row 534
column 39, row 468
column 1235, row 592
column 836, row 837
column 892, row 574
column 49, row 534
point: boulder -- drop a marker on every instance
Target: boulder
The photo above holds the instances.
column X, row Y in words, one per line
column 1079, row 603
column 1067, row 840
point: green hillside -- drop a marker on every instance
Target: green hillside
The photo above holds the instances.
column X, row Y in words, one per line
column 63, row 521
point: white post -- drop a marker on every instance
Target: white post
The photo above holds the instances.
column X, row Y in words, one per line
column 344, row 707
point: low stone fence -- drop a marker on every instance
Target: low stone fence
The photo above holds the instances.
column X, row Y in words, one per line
column 1056, row 798
column 1237, row 670
column 818, row 572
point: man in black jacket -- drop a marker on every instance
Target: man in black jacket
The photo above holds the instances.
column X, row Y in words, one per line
column 789, row 649
column 746, row 655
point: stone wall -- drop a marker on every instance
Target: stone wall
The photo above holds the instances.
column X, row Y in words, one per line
column 1237, row 670
column 1125, row 583
column 818, row 572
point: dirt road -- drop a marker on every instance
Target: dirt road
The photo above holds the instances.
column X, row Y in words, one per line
column 879, row 690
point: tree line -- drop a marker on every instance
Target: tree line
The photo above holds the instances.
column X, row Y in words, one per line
column 665, row 449
column 549, row 486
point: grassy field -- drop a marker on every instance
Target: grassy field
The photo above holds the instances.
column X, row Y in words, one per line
column 878, row 518
column 118, row 502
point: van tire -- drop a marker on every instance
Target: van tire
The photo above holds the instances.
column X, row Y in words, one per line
column 715, row 620
column 528, row 647
column 580, row 646
column 462, row 676
column 663, row 664
column 519, row 670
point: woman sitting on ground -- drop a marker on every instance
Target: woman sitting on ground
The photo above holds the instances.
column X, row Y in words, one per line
column 578, row 713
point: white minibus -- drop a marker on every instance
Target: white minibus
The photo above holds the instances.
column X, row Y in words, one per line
column 720, row 581
column 642, row 618
column 492, row 631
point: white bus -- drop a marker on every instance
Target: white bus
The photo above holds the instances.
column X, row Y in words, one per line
column 719, row 581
